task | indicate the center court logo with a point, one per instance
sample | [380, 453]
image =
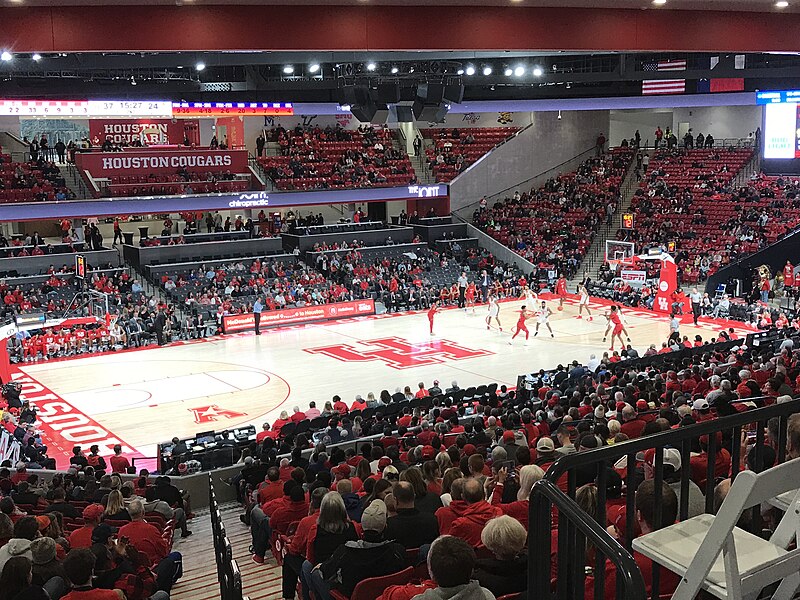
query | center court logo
[250, 199]
[399, 353]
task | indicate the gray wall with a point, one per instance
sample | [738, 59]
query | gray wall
[373, 237]
[720, 121]
[198, 252]
[35, 265]
[548, 142]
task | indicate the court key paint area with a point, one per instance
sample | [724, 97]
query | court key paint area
[148, 396]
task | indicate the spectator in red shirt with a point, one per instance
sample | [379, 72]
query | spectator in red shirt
[297, 415]
[296, 550]
[470, 524]
[421, 392]
[272, 488]
[119, 463]
[143, 536]
[632, 426]
[290, 511]
[82, 538]
[266, 433]
[339, 406]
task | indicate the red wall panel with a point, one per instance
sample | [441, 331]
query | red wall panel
[163, 28]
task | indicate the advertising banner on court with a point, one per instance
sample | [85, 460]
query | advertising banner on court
[145, 162]
[292, 316]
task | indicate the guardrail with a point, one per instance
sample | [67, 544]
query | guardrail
[684, 439]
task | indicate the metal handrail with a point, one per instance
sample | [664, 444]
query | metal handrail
[543, 494]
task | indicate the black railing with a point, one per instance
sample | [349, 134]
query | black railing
[575, 529]
[714, 435]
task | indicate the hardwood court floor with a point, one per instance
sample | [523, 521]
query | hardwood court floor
[151, 395]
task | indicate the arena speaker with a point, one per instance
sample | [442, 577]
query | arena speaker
[360, 102]
[401, 113]
[454, 93]
[428, 102]
[389, 92]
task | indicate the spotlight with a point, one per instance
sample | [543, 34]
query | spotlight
[508, 72]
[314, 68]
[781, 4]
[36, 57]
[371, 66]
[537, 71]
[395, 70]
[460, 72]
[288, 70]
[487, 70]
[659, 2]
[519, 71]
[470, 70]
[200, 66]
[6, 56]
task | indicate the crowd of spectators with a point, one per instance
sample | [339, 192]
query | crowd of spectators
[554, 225]
[337, 158]
[86, 534]
[38, 180]
[460, 464]
[456, 149]
[182, 182]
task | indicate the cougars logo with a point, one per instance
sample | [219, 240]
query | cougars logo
[399, 353]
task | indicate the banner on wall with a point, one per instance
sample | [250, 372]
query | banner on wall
[150, 132]
[108, 164]
[290, 316]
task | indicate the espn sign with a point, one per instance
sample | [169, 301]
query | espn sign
[305, 314]
[635, 279]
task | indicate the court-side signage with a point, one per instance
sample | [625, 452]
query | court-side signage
[292, 316]
[256, 199]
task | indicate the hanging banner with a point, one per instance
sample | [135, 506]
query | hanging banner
[150, 132]
[145, 162]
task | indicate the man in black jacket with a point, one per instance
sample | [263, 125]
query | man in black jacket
[60, 505]
[410, 527]
[371, 556]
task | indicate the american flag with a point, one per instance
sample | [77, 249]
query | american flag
[664, 86]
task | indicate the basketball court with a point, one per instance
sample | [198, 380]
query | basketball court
[139, 397]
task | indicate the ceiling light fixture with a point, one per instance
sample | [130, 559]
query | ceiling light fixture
[36, 57]
[519, 71]
[313, 68]
[781, 4]
[200, 66]
[371, 66]
[460, 72]
[487, 70]
[6, 56]
[395, 70]
[288, 70]
[508, 72]
[537, 71]
[659, 2]
[470, 70]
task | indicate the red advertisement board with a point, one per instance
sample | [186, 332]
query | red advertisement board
[145, 162]
[148, 131]
[290, 316]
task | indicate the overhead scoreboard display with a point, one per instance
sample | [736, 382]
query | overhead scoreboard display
[115, 109]
[781, 123]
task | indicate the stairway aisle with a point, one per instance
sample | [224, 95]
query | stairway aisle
[73, 181]
[596, 253]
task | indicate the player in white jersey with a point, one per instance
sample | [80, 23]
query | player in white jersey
[530, 297]
[494, 313]
[543, 318]
[583, 302]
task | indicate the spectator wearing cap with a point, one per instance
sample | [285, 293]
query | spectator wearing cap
[82, 538]
[371, 556]
[509, 442]
[545, 451]
[410, 527]
[45, 564]
[469, 525]
[435, 390]
[701, 411]
[672, 477]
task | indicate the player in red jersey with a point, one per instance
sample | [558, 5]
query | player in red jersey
[469, 295]
[523, 315]
[561, 290]
[615, 320]
[431, 312]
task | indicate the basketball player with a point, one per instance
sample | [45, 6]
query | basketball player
[561, 290]
[614, 318]
[610, 323]
[431, 312]
[529, 296]
[494, 313]
[523, 314]
[583, 302]
[543, 318]
[469, 296]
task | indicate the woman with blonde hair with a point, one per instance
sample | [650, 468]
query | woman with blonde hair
[115, 508]
[507, 570]
[528, 475]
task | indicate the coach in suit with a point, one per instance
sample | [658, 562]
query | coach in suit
[486, 281]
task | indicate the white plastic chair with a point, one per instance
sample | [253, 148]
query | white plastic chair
[711, 553]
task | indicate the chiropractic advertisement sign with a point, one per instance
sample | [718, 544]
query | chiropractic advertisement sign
[292, 316]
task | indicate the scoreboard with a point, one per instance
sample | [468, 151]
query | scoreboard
[160, 109]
